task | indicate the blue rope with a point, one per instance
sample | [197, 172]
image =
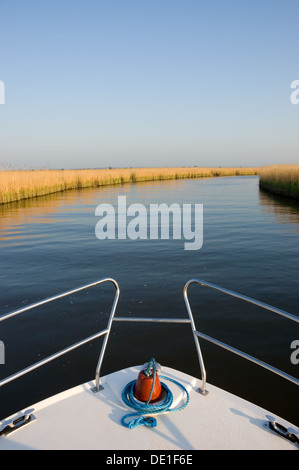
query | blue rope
[146, 408]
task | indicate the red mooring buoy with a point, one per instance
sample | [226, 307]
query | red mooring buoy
[143, 386]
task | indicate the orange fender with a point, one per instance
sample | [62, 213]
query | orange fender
[143, 386]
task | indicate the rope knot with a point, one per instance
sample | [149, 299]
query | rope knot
[151, 368]
[142, 421]
[149, 421]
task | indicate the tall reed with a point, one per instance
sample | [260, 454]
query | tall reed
[281, 179]
[16, 185]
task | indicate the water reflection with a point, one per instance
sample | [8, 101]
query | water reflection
[286, 210]
[19, 220]
[16, 217]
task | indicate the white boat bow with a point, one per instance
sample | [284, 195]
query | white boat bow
[91, 415]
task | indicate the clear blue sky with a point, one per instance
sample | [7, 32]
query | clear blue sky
[97, 83]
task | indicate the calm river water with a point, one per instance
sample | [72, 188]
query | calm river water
[250, 245]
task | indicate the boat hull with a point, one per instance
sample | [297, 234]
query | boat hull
[80, 419]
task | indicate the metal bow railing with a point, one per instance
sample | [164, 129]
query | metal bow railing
[227, 347]
[106, 332]
[73, 346]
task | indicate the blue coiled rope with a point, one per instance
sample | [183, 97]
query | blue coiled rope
[146, 408]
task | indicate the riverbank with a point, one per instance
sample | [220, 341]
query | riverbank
[281, 179]
[17, 185]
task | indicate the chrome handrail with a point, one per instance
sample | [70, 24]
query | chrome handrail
[69, 348]
[106, 332]
[230, 348]
[98, 386]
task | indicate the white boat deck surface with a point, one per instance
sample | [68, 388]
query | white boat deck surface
[81, 419]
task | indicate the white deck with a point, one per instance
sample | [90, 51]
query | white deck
[81, 419]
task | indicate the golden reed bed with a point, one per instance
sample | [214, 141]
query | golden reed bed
[17, 185]
[281, 179]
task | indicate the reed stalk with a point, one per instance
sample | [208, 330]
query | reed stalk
[16, 184]
[281, 179]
